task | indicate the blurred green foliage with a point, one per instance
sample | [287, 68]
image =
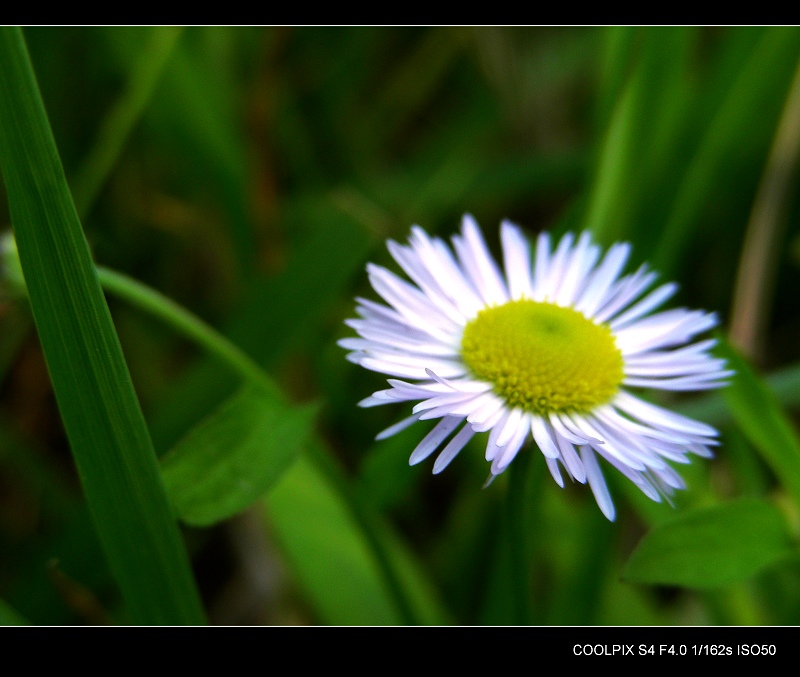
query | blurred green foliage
[250, 173]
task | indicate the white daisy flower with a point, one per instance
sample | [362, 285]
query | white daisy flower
[547, 348]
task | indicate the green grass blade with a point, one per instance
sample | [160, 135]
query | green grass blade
[618, 43]
[642, 126]
[759, 415]
[607, 198]
[759, 86]
[758, 267]
[99, 408]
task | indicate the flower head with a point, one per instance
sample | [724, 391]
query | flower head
[547, 348]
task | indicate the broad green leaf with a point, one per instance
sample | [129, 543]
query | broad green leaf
[758, 413]
[711, 547]
[98, 405]
[230, 459]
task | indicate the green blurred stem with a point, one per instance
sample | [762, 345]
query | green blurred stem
[193, 328]
[122, 118]
[758, 266]
[518, 538]
[185, 323]
[607, 198]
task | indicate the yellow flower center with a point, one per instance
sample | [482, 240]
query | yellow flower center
[543, 358]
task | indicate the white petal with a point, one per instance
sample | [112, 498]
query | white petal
[475, 403]
[612, 445]
[576, 427]
[598, 483]
[410, 367]
[451, 450]
[421, 275]
[397, 427]
[517, 258]
[697, 382]
[433, 439]
[466, 405]
[640, 479]
[408, 390]
[443, 269]
[450, 399]
[602, 279]
[491, 451]
[562, 431]
[491, 420]
[414, 307]
[542, 266]
[659, 417]
[624, 292]
[662, 330]
[690, 365]
[498, 427]
[516, 419]
[372, 401]
[627, 449]
[571, 461]
[552, 466]
[578, 266]
[609, 415]
[466, 385]
[502, 461]
[558, 266]
[430, 348]
[543, 437]
[488, 407]
[478, 264]
[652, 300]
